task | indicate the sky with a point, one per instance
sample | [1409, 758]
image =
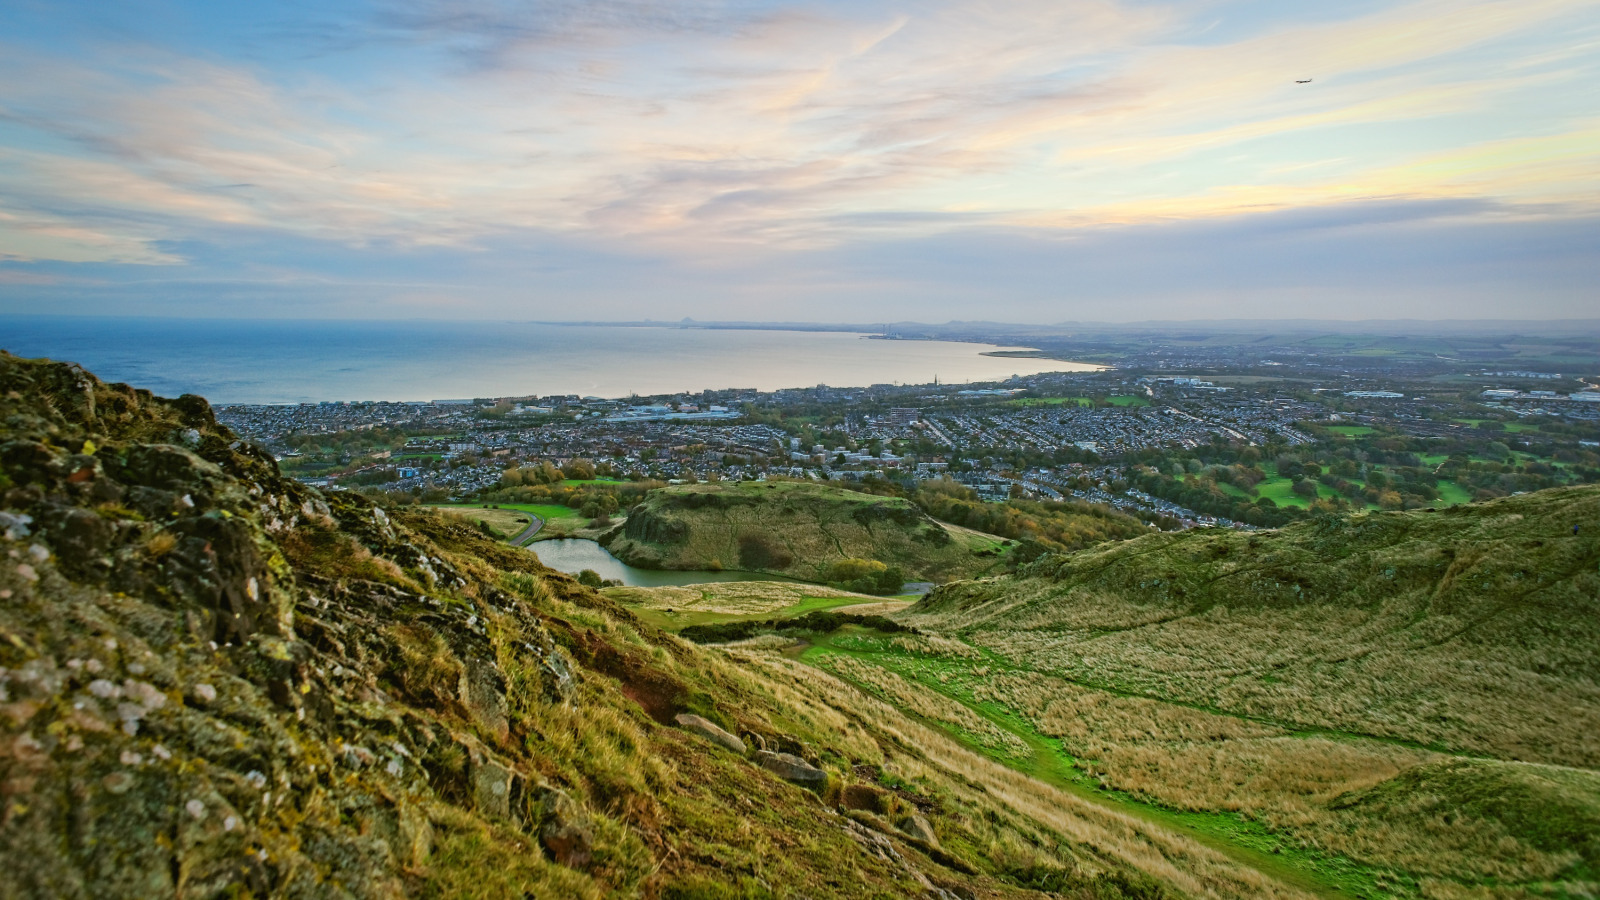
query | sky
[874, 160]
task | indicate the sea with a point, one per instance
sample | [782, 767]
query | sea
[285, 361]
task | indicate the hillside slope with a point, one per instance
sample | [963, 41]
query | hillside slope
[1476, 628]
[215, 682]
[795, 529]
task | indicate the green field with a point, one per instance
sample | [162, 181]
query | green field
[1451, 494]
[1049, 401]
[1075, 401]
[1281, 490]
[1350, 430]
[507, 520]
[546, 511]
[1233, 491]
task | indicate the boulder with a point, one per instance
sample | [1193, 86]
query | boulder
[921, 829]
[793, 769]
[709, 730]
[566, 832]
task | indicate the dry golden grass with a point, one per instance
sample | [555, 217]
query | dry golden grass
[878, 608]
[1477, 629]
[508, 522]
[1305, 787]
[1036, 823]
[913, 698]
[745, 598]
[811, 526]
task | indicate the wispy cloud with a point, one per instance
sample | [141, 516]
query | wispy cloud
[702, 132]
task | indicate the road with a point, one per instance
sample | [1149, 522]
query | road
[528, 533]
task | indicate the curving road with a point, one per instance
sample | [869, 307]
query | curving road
[528, 533]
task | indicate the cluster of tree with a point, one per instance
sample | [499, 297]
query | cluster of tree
[546, 472]
[1202, 495]
[356, 441]
[591, 578]
[866, 576]
[815, 623]
[1065, 526]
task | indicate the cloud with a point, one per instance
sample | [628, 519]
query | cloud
[692, 138]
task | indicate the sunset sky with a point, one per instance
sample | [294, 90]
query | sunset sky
[1028, 161]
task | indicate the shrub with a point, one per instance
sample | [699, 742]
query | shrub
[757, 551]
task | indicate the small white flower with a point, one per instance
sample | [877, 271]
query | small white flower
[130, 758]
[27, 572]
[196, 809]
[230, 823]
[39, 552]
[161, 752]
[205, 692]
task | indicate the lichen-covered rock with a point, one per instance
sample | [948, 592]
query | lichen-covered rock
[793, 769]
[920, 828]
[710, 731]
[565, 829]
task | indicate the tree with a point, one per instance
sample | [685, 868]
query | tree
[590, 578]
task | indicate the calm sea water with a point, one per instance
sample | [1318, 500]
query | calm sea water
[275, 361]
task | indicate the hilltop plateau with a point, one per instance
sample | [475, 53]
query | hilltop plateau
[218, 682]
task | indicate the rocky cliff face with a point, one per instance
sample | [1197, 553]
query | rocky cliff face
[216, 679]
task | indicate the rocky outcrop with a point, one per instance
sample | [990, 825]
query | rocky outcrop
[215, 679]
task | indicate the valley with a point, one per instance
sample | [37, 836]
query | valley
[244, 681]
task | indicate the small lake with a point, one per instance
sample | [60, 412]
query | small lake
[573, 555]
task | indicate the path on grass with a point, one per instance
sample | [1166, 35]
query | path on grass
[528, 533]
[1047, 766]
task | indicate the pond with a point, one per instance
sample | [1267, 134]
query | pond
[573, 555]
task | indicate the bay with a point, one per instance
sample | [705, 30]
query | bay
[288, 361]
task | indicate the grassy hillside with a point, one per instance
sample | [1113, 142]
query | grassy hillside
[1474, 629]
[216, 682]
[1391, 704]
[674, 608]
[794, 529]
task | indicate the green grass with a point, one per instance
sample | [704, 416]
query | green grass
[1351, 430]
[1233, 491]
[574, 482]
[1281, 490]
[546, 511]
[1128, 401]
[1451, 493]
